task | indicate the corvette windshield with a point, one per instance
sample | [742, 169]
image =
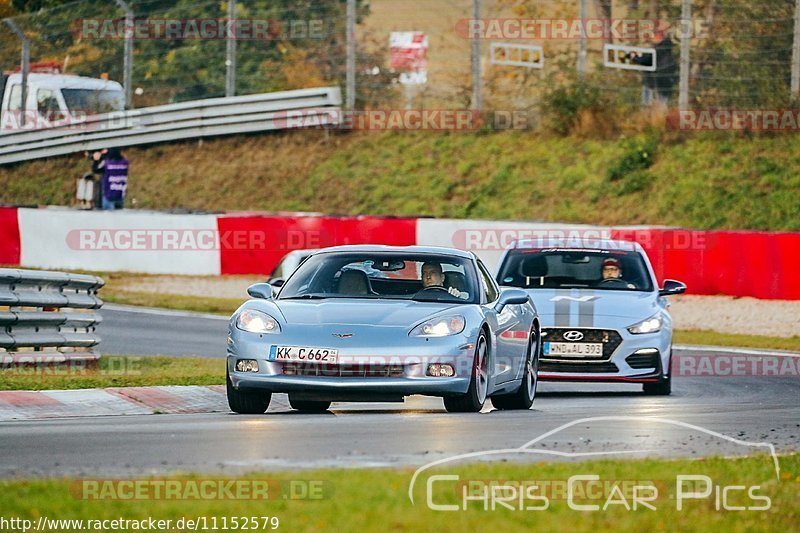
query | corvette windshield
[420, 277]
[567, 269]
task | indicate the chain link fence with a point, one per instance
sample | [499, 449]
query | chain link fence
[737, 53]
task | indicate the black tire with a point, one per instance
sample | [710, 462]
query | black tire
[246, 402]
[475, 397]
[661, 388]
[309, 406]
[524, 396]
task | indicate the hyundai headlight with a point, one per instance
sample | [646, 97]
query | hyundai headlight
[440, 327]
[257, 322]
[651, 325]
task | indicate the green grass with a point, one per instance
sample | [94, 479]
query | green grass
[701, 181]
[119, 371]
[734, 339]
[376, 499]
[199, 304]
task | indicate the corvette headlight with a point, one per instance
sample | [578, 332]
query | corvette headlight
[440, 327]
[257, 322]
[651, 325]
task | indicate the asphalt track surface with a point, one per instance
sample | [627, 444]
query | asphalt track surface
[749, 409]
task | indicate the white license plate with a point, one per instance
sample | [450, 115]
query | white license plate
[574, 349]
[303, 353]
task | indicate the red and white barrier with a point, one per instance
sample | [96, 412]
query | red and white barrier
[132, 241]
[9, 236]
[737, 263]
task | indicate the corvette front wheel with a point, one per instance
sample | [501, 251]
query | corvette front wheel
[523, 398]
[246, 402]
[472, 401]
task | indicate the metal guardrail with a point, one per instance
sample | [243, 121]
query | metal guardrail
[48, 317]
[186, 120]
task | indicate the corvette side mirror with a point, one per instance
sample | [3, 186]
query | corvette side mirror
[511, 297]
[260, 290]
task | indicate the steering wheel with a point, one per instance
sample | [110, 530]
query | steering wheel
[618, 281]
[434, 288]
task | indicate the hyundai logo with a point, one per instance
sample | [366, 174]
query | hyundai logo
[573, 335]
[345, 335]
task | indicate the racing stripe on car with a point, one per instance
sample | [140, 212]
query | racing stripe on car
[586, 310]
[562, 312]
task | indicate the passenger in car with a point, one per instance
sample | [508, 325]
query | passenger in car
[354, 282]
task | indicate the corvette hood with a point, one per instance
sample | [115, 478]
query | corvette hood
[355, 312]
[593, 308]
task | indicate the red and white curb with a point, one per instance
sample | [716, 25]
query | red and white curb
[33, 405]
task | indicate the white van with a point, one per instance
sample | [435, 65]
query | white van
[56, 98]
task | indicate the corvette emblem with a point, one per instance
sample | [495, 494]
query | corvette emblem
[573, 335]
[342, 335]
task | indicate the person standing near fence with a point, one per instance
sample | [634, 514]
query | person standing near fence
[114, 183]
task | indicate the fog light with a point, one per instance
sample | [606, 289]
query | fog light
[439, 370]
[247, 365]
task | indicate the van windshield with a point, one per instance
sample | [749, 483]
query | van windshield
[93, 101]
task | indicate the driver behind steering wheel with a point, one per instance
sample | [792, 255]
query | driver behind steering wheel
[612, 272]
[433, 276]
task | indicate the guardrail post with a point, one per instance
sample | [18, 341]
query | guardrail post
[476, 60]
[127, 67]
[230, 51]
[795, 87]
[25, 65]
[582, 41]
[683, 84]
[350, 81]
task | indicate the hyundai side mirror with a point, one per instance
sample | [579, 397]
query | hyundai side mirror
[671, 287]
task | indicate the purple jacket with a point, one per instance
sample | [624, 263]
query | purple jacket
[115, 178]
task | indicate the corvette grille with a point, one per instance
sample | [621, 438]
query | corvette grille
[343, 371]
[591, 368]
[608, 337]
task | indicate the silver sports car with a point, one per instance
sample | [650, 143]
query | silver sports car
[377, 323]
[603, 316]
